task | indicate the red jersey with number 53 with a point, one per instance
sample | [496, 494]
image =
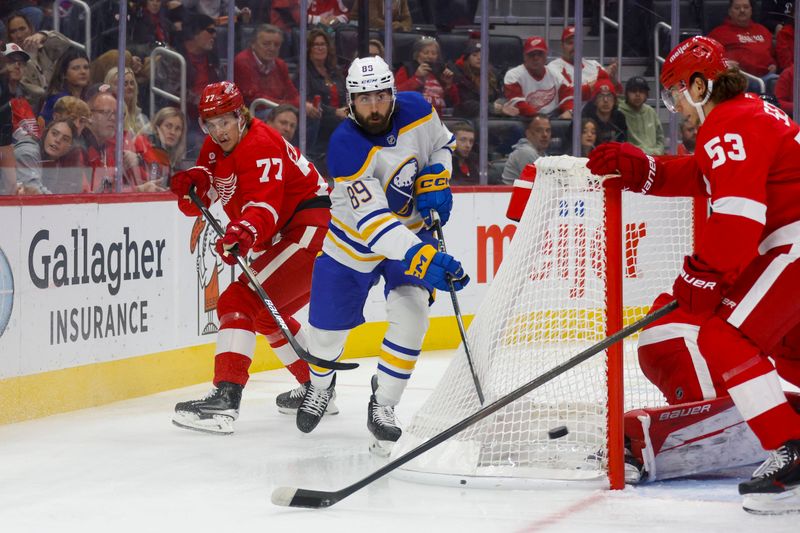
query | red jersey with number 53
[748, 160]
[264, 180]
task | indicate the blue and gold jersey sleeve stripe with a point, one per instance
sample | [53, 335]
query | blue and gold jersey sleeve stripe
[416, 123]
[367, 232]
[342, 227]
[360, 171]
[342, 237]
[383, 232]
[370, 216]
[347, 249]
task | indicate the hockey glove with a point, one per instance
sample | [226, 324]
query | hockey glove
[432, 191]
[636, 169]
[238, 240]
[437, 268]
[697, 288]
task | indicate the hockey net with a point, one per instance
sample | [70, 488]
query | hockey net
[548, 302]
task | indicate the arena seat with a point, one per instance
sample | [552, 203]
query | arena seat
[505, 51]
[453, 45]
[345, 40]
[503, 134]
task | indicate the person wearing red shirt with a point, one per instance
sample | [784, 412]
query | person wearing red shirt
[784, 46]
[747, 43]
[279, 208]
[260, 73]
[429, 75]
[784, 89]
[738, 291]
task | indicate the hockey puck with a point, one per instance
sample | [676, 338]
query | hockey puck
[557, 432]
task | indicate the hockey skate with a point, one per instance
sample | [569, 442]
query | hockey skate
[775, 485]
[214, 413]
[314, 405]
[289, 402]
[382, 423]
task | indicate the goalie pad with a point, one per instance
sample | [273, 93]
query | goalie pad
[693, 438]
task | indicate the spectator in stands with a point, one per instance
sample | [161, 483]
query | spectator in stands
[747, 43]
[202, 68]
[776, 14]
[588, 136]
[784, 46]
[644, 128]
[688, 137]
[784, 89]
[11, 72]
[70, 78]
[44, 49]
[285, 14]
[427, 74]
[327, 12]
[533, 88]
[217, 10]
[325, 90]
[100, 139]
[149, 26]
[135, 120]
[465, 160]
[75, 110]
[591, 71]
[284, 118]
[467, 79]
[376, 47]
[260, 73]
[401, 15]
[611, 125]
[53, 165]
[528, 149]
[162, 145]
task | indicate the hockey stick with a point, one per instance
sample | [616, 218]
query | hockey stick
[316, 499]
[437, 229]
[273, 311]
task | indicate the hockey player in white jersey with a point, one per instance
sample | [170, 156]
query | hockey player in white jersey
[391, 163]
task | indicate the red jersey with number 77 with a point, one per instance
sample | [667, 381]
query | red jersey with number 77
[265, 181]
[747, 160]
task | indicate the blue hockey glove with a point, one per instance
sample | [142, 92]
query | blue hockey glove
[432, 191]
[424, 262]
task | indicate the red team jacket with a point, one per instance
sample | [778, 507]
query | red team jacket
[747, 160]
[751, 47]
[266, 181]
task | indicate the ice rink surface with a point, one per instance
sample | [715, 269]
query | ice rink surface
[125, 468]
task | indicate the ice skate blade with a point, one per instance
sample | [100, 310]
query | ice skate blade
[380, 448]
[217, 424]
[331, 410]
[773, 504]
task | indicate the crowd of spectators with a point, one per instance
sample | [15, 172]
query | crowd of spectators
[58, 102]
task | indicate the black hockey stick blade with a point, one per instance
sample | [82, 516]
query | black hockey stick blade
[318, 499]
[437, 230]
[265, 299]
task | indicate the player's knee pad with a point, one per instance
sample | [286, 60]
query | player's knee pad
[726, 350]
[407, 310]
[324, 343]
[239, 299]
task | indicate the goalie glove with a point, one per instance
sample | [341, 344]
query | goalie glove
[437, 268]
[432, 191]
[238, 240]
[636, 169]
[697, 288]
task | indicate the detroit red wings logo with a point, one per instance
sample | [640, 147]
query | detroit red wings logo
[225, 187]
[541, 97]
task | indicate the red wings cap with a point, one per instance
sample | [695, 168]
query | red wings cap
[220, 98]
[535, 43]
[603, 86]
[568, 32]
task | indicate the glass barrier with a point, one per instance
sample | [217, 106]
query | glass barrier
[499, 74]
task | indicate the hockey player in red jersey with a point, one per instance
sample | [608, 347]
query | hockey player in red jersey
[279, 209]
[739, 291]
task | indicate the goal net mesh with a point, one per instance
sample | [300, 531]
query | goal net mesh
[547, 303]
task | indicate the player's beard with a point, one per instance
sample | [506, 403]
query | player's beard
[375, 123]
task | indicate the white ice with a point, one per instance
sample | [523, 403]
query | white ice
[125, 468]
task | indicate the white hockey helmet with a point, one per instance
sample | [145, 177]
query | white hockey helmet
[369, 74]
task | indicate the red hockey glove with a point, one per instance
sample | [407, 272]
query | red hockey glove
[182, 181]
[697, 288]
[238, 239]
[636, 169]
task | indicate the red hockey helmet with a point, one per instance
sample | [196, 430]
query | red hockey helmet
[698, 55]
[220, 98]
